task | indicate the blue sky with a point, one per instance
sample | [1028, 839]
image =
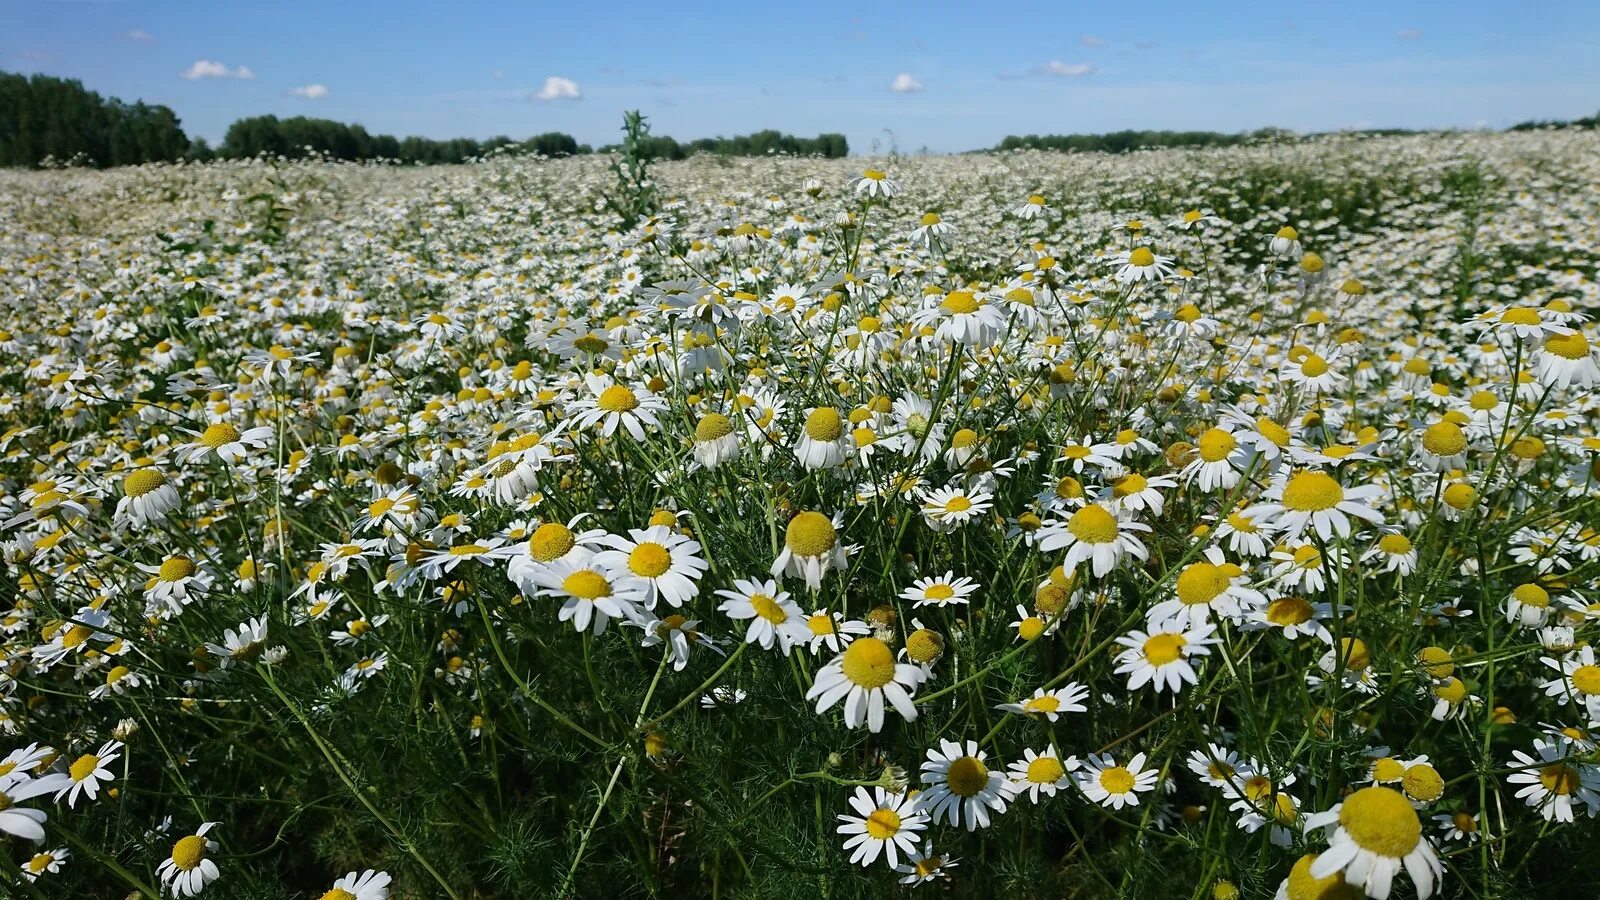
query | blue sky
[946, 77]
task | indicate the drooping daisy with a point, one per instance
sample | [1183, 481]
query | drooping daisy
[594, 594]
[243, 646]
[1042, 772]
[1568, 360]
[1112, 784]
[823, 443]
[885, 823]
[772, 615]
[1051, 704]
[958, 785]
[1094, 533]
[1302, 885]
[1161, 657]
[864, 676]
[188, 868]
[147, 496]
[715, 440]
[663, 562]
[1373, 834]
[968, 318]
[174, 584]
[811, 548]
[947, 590]
[874, 184]
[676, 633]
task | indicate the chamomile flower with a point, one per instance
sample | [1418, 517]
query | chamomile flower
[874, 184]
[884, 823]
[1112, 784]
[811, 548]
[189, 868]
[1314, 500]
[864, 676]
[773, 616]
[47, 862]
[664, 563]
[946, 509]
[86, 773]
[948, 590]
[1372, 835]
[823, 443]
[594, 594]
[225, 442]
[1097, 535]
[612, 405]
[1050, 705]
[147, 497]
[1161, 657]
[959, 786]
[1579, 681]
[1141, 264]
[1555, 780]
[1041, 772]
[923, 865]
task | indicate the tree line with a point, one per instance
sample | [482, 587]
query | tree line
[46, 119]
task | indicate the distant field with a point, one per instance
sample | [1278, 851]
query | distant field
[1206, 523]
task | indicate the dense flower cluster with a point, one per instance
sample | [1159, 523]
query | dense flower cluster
[1227, 516]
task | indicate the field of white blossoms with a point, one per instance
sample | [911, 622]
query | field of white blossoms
[1215, 523]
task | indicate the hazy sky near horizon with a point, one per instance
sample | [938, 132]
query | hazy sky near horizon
[944, 76]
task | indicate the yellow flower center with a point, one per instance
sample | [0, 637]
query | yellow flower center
[40, 863]
[1030, 628]
[1288, 233]
[1311, 492]
[810, 534]
[1141, 257]
[1045, 704]
[713, 426]
[550, 542]
[1423, 782]
[142, 482]
[176, 569]
[957, 504]
[1444, 439]
[768, 608]
[1201, 582]
[219, 434]
[1559, 778]
[1093, 525]
[1216, 444]
[1531, 595]
[967, 776]
[1437, 661]
[1567, 346]
[1160, 649]
[1286, 611]
[586, 584]
[84, 767]
[1116, 780]
[1129, 484]
[1046, 770]
[1586, 679]
[338, 894]
[618, 399]
[869, 663]
[1451, 691]
[960, 303]
[924, 645]
[1301, 886]
[1395, 544]
[883, 824]
[1460, 496]
[820, 624]
[188, 852]
[116, 674]
[1355, 654]
[1381, 820]
[824, 424]
[649, 560]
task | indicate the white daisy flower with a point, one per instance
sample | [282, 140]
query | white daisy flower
[958, 785]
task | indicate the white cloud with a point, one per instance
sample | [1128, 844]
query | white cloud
[904, 83]
[1066, 70]
[310, 91]
[143, 37]
[558, 88]
[206, 68]
[1090, 40]
[1408, 34]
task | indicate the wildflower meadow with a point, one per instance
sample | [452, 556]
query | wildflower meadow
[1208, 523]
